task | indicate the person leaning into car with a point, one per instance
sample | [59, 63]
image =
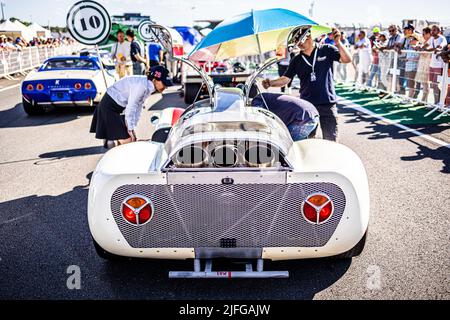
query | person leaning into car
[127, 96]
[314, 67]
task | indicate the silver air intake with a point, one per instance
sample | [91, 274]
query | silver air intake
[260, 156]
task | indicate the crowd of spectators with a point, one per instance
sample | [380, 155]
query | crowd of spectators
[420, 60]
[8, 44]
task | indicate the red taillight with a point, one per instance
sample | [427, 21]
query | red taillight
[326, 212]
[137, 210]
[30, 87]
[77, 86]
[317, 208]
[39, 87]
[88, 86]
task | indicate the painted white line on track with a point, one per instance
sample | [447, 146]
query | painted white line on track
[351, 104]
[11, 87]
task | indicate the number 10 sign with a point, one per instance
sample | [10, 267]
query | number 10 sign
[89, 23]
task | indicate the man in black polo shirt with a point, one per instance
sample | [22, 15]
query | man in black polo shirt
[140, 64]
[314, 67]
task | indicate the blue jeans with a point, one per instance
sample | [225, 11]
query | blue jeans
[301, 130]
[374, 70]
[138, 68]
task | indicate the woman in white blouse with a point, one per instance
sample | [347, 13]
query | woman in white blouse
[127, 96]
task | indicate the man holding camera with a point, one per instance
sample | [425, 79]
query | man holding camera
[314, 67]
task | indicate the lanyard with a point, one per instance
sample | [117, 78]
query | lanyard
[313, 65]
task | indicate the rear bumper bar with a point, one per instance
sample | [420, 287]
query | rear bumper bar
[249, 273]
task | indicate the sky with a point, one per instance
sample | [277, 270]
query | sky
[183, 12]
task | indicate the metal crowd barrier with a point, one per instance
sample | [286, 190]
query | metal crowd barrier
[19, 62]
[404, 75]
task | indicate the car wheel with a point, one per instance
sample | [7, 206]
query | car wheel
[191, 92]
[102, 253]
[32, 109]
[356, 250]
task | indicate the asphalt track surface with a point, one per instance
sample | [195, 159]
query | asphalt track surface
[46, 163]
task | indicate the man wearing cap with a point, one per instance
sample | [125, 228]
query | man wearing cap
[314, 67]
[411, 66]
[375, 67]
[127, 96]
[384, 61]
[408, 31]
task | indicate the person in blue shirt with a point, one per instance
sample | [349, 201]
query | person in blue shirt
[329, 39]
[155, 54]
[314, 67]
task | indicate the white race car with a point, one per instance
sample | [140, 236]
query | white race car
[225, 180]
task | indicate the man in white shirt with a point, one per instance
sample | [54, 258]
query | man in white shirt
[122, 56]
[436, 44]
[127, 96]
[365, 56]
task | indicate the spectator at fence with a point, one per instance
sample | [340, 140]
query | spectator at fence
[411, 66]
[395, 38]
[375, 67]
[342, 67]
[404, 44]
[9, 45]
[384, 61]
[437, 43]
[122, 56]
[2, 42]
[445, 55]
[394, 41]
[365, 56]
[423, 67]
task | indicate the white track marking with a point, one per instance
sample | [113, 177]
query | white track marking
[11, 87]
[350, 104]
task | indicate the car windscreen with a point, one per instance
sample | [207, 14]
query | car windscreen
[58, 64]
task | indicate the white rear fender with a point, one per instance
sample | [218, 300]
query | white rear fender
[134, 158]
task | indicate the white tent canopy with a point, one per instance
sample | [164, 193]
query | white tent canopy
[40, 31]
[8, 26]
[9, 29]
[27, 33]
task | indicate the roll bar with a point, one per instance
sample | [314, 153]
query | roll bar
[161, 35]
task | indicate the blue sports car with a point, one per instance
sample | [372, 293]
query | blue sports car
[65, 80]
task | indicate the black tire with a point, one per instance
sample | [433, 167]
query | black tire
[102, 253]
[356, 250]
[32, 109]
[191, 92]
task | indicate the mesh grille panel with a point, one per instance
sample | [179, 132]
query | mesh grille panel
[256, 215]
